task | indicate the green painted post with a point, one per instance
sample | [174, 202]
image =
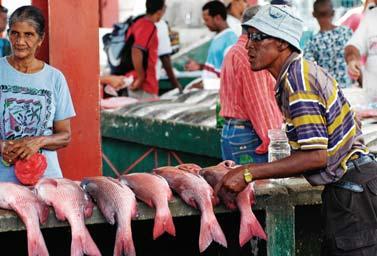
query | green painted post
[280, 226]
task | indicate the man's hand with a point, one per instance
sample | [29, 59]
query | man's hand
[117, 82]
[198, 85]
[233, 181]
[354, 69]
[136, 85]
[192, 65]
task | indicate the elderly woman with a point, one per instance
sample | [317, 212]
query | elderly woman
[35, 103]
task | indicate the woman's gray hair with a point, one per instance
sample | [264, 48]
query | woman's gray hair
[249, 13]
[31, 15]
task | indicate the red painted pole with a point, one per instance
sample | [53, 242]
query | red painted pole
[73, 49]
[109, 13]
[43, 52]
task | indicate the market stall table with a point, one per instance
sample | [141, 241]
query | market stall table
[277, 199]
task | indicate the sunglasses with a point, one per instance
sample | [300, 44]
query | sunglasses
[257, 37]
[3, 9]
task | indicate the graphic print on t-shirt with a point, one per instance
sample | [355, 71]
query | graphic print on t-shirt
[26, 111]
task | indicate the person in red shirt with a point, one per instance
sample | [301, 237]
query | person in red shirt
[145, 84]
[248, 105]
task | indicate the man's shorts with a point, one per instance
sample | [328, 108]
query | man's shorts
[349, 211]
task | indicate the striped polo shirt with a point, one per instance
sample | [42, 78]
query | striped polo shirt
[317, 116]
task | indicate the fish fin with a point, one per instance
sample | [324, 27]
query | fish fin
[123, 180]
[50, 181]
[187, 196]
[83, 244]
[124, 242]
[88, 208]
[114, 181]
[36, 242]
[60, 215]
[162, 178]
[43, 212]
[163, 222]
[210, 230]
[134, 212]
[249, 228]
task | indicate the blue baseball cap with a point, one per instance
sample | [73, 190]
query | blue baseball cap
[278, 21]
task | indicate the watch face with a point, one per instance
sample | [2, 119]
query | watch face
[247, 176]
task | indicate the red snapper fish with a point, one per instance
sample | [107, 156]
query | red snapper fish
[250, 226]
[70, 203]
[118, 204]
[196, 192]
[155, 192]
[193, 168]
[30, 210]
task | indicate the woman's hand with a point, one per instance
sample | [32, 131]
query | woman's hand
[8, 156]
[21, 148]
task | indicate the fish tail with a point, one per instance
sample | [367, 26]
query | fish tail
[123, 242]
[210, 230]
[163, 222]
[83, 244]
[250, 227]
[36, 242]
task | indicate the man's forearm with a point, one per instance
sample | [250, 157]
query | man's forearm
[351, 53]
[166, 63]
[298, 163]
[137, 61]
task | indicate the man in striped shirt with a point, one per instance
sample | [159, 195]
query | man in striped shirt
[323, 133]
[248, 105]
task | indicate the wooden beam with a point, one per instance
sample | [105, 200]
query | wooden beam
[109, 13]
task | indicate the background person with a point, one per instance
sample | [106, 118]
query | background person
[214, 16]
[165, 50]
[235, 10]
[323, 133]
[364, 42]
[145, 84]
[5, 48]
[248, 105]
[35, 103]
[353, 17]
[327, 46]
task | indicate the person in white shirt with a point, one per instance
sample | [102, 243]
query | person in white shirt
[164, 51]
[364, 42]
[235, 10]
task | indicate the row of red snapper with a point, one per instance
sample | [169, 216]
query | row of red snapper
[116, 198]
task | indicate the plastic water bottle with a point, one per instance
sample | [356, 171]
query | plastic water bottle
[279, 147]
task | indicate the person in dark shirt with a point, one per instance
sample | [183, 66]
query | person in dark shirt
[5, 48]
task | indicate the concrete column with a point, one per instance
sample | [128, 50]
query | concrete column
[73, 49]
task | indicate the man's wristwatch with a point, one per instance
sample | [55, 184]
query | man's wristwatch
[248, 177]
